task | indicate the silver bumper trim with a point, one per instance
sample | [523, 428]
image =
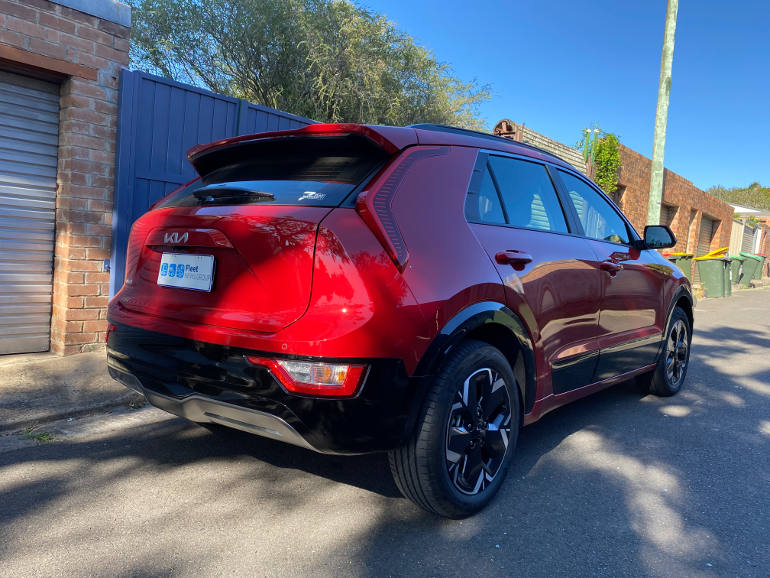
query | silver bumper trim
[202, 409]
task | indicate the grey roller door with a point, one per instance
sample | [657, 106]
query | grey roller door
[747, 243]
[29, 135]
[705, 235]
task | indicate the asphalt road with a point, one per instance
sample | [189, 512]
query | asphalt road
[618, 484]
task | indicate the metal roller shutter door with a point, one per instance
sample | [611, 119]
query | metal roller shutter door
[705, 235]
[747, 243]
[29, 136]
[667, 214]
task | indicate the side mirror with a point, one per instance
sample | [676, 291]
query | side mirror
[658, 237]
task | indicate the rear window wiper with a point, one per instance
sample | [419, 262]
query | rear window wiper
[214, 194]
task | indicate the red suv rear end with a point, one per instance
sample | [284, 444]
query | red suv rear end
[423, 290]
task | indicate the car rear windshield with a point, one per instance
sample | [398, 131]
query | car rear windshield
[318, 171]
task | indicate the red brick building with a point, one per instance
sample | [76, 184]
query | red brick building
[700, 221]
[59, 65]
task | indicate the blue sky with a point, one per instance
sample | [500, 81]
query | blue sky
[561, 65]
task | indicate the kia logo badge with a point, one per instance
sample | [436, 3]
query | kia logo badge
[175, 238]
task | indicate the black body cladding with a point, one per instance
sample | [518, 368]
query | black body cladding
[379, 418]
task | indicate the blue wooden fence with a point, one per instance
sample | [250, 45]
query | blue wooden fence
[159, 120]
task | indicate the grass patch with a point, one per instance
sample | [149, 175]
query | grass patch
[42, 437]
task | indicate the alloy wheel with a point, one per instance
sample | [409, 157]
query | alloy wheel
[478, 431]
[676, 352]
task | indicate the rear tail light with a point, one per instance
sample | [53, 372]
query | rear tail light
[134, 250]
[314, 378]
[374, 205]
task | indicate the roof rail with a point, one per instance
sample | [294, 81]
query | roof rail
[478, 133]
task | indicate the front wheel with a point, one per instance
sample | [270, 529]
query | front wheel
[668, 376]
[458, 456]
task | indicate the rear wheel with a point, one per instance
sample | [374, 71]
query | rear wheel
[458, 456]
[668, 376]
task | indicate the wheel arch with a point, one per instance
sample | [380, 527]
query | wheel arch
[683, 299]
[497, 325]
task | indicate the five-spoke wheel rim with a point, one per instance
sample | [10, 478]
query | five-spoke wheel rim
[478, 431]
[676, 352]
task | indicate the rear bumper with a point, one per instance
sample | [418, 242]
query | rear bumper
[202, 409]
[204, 382]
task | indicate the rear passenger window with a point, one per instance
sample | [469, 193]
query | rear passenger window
[484, 205]
[529, 198]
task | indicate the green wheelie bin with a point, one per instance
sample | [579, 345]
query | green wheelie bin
[736, 268]
[683, 261]
[728, 276]
[714, 275]
[751, 267]
[760, 268]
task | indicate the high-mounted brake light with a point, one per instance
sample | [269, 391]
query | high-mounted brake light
[314, 378]
[374, 205]
[381, 136]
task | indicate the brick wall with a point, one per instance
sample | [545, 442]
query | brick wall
[691, 202]
[87, 53]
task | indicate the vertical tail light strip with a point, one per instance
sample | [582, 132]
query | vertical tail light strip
[374, 205]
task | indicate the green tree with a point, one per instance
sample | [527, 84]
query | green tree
[755, 195]
[329, 60]
[607, 162]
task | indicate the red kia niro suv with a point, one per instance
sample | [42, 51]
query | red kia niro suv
[422, 290]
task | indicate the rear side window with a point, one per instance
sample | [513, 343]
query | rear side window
[514, 192]
[599, 219]
[318, 171]
[484, 205]
[529, 198]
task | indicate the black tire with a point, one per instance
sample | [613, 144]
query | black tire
[667, 378]
[458, 416]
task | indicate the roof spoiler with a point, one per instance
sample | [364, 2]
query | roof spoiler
[390, 139]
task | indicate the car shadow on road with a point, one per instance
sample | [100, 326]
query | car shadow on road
[617, 483]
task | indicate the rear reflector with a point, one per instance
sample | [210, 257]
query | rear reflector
[110, 328]
[314, 378]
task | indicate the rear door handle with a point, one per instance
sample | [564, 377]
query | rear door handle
[611, 267]
[515, 258]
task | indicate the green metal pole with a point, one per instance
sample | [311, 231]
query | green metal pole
[661, 114]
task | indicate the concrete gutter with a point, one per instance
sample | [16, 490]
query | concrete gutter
[40, 388]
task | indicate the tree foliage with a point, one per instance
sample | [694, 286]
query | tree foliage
[329, 60]
[755, 195]
[607, 162]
